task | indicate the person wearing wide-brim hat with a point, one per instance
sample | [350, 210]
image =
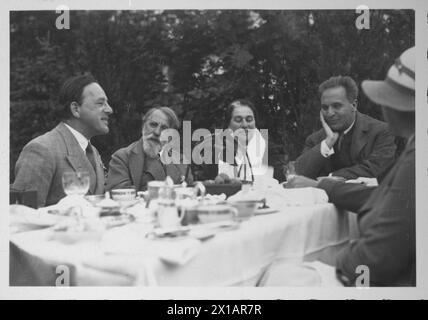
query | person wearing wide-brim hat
[387, 244]
[385, 252]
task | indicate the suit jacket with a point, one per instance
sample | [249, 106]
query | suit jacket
[43, 161]
[386, 221]
[372, 149]
[127, 168]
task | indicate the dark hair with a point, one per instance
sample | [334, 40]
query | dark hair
[173, 121]
[238, 103]
[346, 82]
[71, 91]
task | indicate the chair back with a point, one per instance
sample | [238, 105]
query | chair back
[26, 198]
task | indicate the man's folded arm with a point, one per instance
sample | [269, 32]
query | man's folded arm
[347, 196]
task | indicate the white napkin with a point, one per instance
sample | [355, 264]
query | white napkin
[73, 201]
[23, 218]
[303, 196]
[277, 197]
[131, 241]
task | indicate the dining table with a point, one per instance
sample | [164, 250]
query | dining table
[228, 254]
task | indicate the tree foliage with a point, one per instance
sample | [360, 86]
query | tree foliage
[196, 62]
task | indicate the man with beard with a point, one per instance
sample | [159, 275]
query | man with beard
[350, 144]
[143, 160]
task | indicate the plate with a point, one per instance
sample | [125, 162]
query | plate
[202, 234]
[220, 225]
[36, 219]
[170, 232]
[265, 211]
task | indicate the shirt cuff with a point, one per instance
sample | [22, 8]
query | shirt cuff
[325, 150]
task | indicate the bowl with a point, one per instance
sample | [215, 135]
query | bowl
[215, 213]
[228, 189]
[95, 199]
[245, 208]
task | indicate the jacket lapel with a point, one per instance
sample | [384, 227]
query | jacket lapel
[359, 136]
[76, 157]
[173, 168]
[136, 163]
[155, 169]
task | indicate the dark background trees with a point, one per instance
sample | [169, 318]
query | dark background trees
[196, 62]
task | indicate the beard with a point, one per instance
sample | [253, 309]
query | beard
[151, 147]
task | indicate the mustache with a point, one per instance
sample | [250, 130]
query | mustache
[152, 138]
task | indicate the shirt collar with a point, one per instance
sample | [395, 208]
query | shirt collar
[349, 128]
[83, 142]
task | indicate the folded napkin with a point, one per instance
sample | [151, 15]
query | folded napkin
[278, 197]
[23, 218]
[303, 196]
[70, 204]
[119, 272]
[131, 241]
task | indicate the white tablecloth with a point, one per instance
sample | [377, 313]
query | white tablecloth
[232, 258]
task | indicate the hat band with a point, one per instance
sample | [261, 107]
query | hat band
[399, 87]
[402, 68]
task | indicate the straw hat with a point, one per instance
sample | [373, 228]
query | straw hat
[397, 91]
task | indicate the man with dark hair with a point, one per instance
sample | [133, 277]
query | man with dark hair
[144, 160]
[386, 247]
[42, 162]
[350, 144]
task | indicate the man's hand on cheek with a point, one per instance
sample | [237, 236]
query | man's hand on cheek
[331, 136]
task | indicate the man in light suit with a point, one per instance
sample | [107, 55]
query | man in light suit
[42, 162]
[350, 144]
[143, 160]
[386, 214]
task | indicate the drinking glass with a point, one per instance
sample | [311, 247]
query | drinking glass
[290, 170]
[75, 182]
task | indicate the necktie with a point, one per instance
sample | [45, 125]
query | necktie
[340, 141]
[91, 156]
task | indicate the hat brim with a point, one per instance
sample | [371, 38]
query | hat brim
[384, 94]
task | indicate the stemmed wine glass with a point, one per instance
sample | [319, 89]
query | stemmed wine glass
[75, 182]
[290, 170]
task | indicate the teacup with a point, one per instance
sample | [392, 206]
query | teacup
[245, 208]
[153, 188]
[123, 194]
[216, 213]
